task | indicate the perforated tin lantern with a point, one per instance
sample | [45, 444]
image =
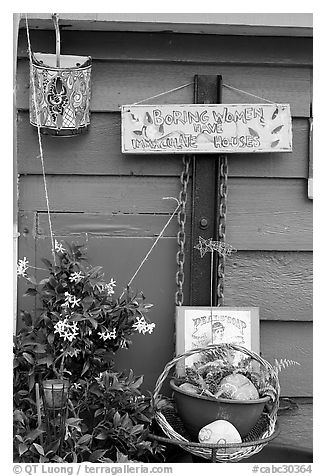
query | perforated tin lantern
[62, 93]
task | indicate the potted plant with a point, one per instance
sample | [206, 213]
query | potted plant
[224, 408]
[229, 383]
[220, 387]
[68, 347]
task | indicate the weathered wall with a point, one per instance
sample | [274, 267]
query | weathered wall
[117, 200]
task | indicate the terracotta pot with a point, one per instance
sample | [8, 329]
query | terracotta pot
[197, 411]
[55, 393]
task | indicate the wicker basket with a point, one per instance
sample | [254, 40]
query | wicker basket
[263, 432]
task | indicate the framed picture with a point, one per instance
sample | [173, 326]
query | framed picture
[200, 326]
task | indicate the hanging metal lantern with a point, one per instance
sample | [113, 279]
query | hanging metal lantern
[62, 94]
[60, 91]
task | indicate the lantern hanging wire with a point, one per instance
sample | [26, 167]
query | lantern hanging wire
[55, 18]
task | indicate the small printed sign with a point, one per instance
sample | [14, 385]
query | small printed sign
[206, 128]
[201, 326]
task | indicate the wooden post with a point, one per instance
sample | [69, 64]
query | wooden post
[205, 203]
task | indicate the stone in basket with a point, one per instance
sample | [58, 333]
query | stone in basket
[245, 394]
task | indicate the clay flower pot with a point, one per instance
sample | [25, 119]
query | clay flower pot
[197, 411]
[55, 393]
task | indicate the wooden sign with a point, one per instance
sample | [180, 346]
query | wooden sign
[206, 128]
[201, 326]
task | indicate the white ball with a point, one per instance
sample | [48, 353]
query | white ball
[220, 432]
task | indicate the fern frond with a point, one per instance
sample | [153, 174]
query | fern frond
[283, 364]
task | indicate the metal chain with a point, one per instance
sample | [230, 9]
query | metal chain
[181, 236]
[223, 191]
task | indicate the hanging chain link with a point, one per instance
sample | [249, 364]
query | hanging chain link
[223, 191]
[181, 236]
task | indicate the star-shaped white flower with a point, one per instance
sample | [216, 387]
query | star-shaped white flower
[106, 334]
[68, 296]
[22, 266]
[76, 277]
[142, 326]
[58, 247]
[150, 327]
[70, 299]
[74, 301]
[66, 330]
[109, 287]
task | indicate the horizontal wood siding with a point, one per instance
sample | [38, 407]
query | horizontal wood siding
[181, 48]
[113, 195]
[124, 83]
[279, 283]
[265, 214]
[114, 203]
[99, 153]
[293, 341]
[269, 214]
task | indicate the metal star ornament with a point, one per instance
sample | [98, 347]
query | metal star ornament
[209, 245]
[203, 246]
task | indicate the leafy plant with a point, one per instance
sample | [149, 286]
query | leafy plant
[79, 321]
[109, 419]
[118, 415]
[74, 334]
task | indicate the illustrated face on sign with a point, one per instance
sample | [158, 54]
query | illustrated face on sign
[218, 332]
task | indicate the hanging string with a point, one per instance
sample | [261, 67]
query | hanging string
[155, 242]
[162, 94]
[39, 138]
[246, 92]
[212, 266]
[55, 19]
[191, 83]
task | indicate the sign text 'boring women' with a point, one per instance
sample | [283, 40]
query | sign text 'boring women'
[206, 128]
